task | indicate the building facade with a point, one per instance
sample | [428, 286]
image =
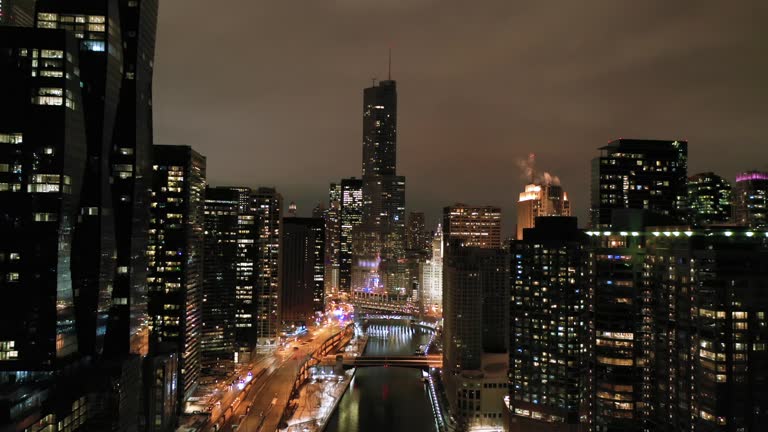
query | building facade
[431, 272]
[222, 214]
[176, 249]
[750, 206]
[540, 200]
[475, 226]
[302, 268]
[639, 174]
[709, 199]
[351, 217]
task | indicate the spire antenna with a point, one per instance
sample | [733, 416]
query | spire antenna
[389, 69]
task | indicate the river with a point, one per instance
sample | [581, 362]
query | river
[386, 399]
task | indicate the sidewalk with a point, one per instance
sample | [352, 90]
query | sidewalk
[317, 401]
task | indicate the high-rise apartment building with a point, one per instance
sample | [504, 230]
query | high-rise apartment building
[175, 251]
[639, 174]
[539, 200]
[549, 283]
[474, 226]
[302, 268]
[267, 207]
[710, 357]
[709, 199]
[750, 207]
[43, 153]
[96, 25]
[17, 13]
[351, 199]
[222, 214]
[475, 333]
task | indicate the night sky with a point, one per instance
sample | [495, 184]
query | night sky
[271, 91]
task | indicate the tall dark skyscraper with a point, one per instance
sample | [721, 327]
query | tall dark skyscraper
[639, 174]
[549, 283]
[222, 213]
[267, 207]
[97, 27]
[416, 238]
[42, 161]
[302, 269]
[709, 199]
[18, 13]
[382, 237]
[750, 207]
[351, 218]
[175, 250]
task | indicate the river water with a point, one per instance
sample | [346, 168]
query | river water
[386, 399]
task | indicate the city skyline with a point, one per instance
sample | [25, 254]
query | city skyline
[489, 77]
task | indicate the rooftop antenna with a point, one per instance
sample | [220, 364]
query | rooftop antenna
[373, 82]
[389, 69]
[533, 168]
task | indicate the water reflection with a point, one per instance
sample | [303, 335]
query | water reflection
[386, 399]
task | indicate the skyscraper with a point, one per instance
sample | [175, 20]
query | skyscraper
[475, 226]
[267, 207]
[545, 199]
[382, 231]
[709, 199]
[97, 27]
[42, 159]
[751, 199]
[639, 174]
[302, 267]
[131, 178]
[175, 250]
[549, 280]
[351, 217]
[432, 276]
[222, 214]
[333, 240]
[17, 13]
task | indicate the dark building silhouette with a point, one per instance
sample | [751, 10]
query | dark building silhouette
[222, 214]
[750, 207]
[131, 176]
[549, 282]
[175, 250]
[302, 268]
[96, 24]
[639, 174]
[267, 207]
[43, 152]
[709, 199]
[416, 233]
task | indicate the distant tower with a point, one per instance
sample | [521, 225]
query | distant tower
[751, 199]
[292, 209]
[540, 199]
[709, 199]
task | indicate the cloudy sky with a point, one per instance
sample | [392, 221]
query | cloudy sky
[271, 91]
